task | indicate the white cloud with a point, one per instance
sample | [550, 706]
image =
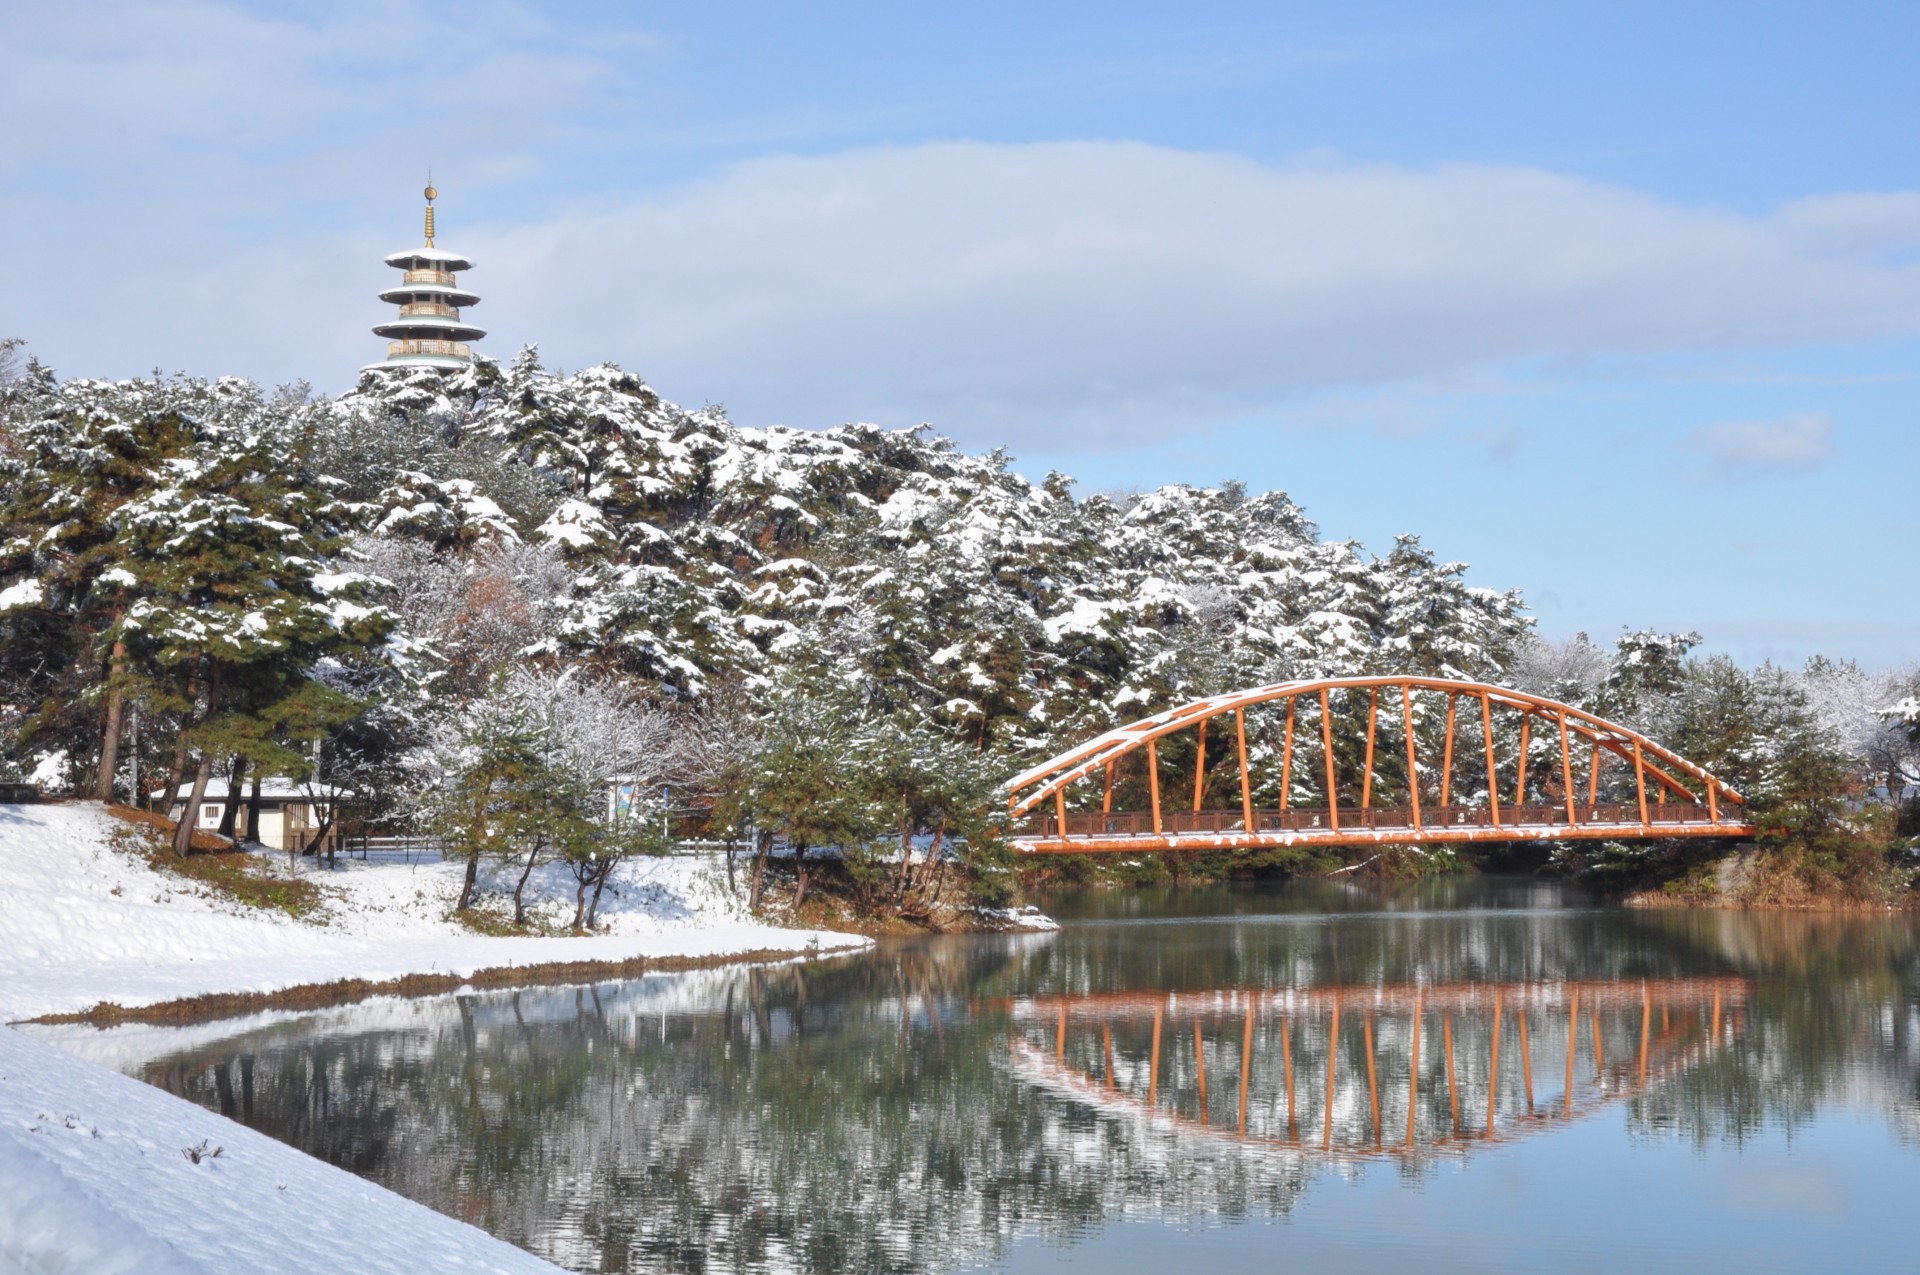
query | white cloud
[1113, 289]
[1789, 444]
[1052, 296]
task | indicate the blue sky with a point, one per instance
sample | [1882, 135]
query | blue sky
[1618, 302]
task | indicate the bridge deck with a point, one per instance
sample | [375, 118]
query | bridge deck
[1094, 832]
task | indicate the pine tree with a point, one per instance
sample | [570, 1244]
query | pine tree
[75, 454]
[237, 596]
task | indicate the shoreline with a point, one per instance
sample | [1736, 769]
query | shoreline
[97, 933]
[212, 1006]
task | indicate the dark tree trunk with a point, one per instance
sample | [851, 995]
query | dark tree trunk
[320, 831]
[136, 797]
[183, 831]
[760, 856]
[179, 766]
[935, 853]
[520, 886]
[110, 740]
[800, 876]
[581, 877]
[906, 859]
[223, 1086]
[253, 808]
[600, 884]
[466, 886]
[230, 813]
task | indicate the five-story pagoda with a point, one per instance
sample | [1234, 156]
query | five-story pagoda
[428, 331]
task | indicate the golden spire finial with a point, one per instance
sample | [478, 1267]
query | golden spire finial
[432, 194]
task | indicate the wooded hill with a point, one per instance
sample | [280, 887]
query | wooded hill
[205, 575]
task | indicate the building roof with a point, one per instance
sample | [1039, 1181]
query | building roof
[428, 258]
[277, 791]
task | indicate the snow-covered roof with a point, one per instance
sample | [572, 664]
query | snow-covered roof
[271, 790]
[430, 326]
[438, 258]
[448, 293]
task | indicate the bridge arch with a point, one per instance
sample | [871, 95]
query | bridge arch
[1670, 796]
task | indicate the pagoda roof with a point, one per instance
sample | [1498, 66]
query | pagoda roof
[405, 292]
[428, 327]
[424, 258]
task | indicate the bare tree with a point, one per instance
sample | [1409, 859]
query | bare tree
[715, 746]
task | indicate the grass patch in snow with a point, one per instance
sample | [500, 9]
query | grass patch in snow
[224, 872]
[241, 877]
[480, 918]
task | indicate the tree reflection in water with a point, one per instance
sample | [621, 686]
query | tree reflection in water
[920, 1106]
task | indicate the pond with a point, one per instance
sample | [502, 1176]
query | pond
[1477, 1075]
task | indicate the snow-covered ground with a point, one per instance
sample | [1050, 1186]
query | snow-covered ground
[84, 920]
[100, 1174]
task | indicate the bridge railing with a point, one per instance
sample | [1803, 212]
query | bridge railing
[1312, 819]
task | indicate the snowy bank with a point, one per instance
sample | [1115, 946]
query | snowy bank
[105, 1174]
[85, 920]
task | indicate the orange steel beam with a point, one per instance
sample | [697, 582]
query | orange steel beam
[1413, 1071]
[1286, 1061]
[1453, 1089]
[1413, 768]
[1153, 785]
[1526, 1060]
[1520, 779]
[1326, 745]
[1493, 1065]
[1646, 1023]
[1373, 721]
[1573, 1043]
[1640, 783]
[1286, 757]
[1246, 780]
[1036, 784]
[1446, 761]
[1200, 767]
[1373, 1082]
[1593, 784]
[1060, 810]
[1106, 798]
[1566, 770]
[1493, 782]
[1246, 1067]
[1333, 1062]
[1436, 834]
[1153, 1068]
[1713, 806]
[1467, 997]
[1200, 1065]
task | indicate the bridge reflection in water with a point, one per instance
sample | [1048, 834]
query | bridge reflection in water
[1362, 1071]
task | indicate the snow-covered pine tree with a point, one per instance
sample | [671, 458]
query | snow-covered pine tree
[234, 558]
[76, 452]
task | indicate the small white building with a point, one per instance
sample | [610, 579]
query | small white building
[289, 814]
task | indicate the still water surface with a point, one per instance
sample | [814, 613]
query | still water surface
[1454, 1076]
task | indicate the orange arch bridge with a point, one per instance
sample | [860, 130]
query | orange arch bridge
[1288, 768]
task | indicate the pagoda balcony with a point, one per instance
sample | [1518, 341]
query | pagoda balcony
[451, 349]
[440, 308]
[428, 276]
